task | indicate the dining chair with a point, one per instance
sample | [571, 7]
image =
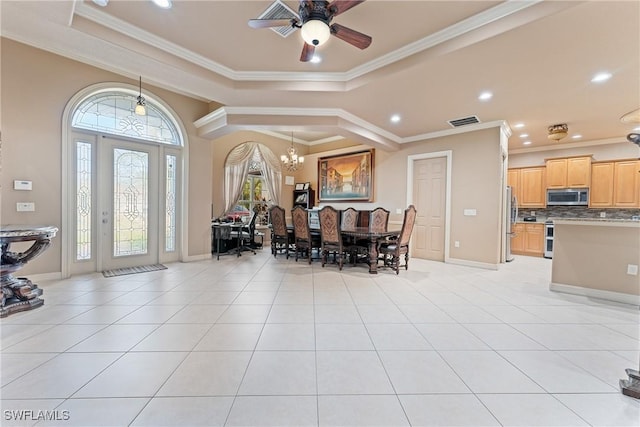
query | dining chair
[330, 236]
[279, 233]
[349, 222]
[304, 240]
[391, 251]
[378, 219]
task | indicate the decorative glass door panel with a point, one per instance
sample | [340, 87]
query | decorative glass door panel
[129, 219]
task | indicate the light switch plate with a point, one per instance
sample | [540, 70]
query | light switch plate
[470, 212]
[25, 206]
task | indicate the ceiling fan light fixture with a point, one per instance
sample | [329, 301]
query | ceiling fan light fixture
[315, 32]
[557, 132]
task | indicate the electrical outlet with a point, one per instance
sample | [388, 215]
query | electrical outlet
[456, 244]
[398, 211]
[533, 213]
[632, 269]
[603, 214]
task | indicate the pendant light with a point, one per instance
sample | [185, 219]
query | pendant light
[140, 109]
[291, 161]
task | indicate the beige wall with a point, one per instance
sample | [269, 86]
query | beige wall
[36, 87]
[596, 256]
[622, 150]
[476, 183]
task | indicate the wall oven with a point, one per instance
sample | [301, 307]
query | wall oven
[548, 239]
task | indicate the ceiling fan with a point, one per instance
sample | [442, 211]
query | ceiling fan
[314, 21]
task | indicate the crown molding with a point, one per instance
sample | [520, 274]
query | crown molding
[456, 131]
[568, 146]
[298, 140]
[479, 20]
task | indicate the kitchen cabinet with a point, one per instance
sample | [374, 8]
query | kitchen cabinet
[513, 181]
[517, 241]
[615, 184]
[532, 188]
[568, 172]
[601, 192]
[626, 184]
[528, 186]
[528, 239]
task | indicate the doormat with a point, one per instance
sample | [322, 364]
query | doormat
[133, 270]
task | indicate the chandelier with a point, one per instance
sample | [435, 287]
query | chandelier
[291, 161]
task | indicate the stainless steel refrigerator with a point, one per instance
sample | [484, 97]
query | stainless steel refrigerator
[512, 216]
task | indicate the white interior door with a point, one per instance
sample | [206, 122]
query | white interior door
[429, 197]
[128, 188]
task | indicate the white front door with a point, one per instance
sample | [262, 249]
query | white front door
[128, 204]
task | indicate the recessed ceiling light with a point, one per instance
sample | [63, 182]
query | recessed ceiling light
[315, 59]
[576, 136]
[601, 77]
[636, 129]
[518, 125]
[485, 96]
[524, 135]
[526, 143]
[102, 3]
[395, 118]
[165, 4]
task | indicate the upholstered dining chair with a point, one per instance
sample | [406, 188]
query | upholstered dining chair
[378, 219]
[304, 241]
[349, 219]
[391, 251]
[280, 235]
[330, 236]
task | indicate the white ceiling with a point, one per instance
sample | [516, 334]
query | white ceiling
[428, 62]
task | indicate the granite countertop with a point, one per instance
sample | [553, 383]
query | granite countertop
[597, 221]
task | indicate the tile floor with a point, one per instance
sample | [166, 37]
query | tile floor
[255, 341]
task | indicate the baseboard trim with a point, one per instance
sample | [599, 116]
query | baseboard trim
[468, 263]
[202, 257]
[35, 278]
[596, 293]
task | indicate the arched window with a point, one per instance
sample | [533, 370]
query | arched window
[252, 181]
[112, 112]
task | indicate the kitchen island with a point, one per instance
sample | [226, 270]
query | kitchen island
[597, 258]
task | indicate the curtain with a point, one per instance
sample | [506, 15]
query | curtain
[236, 170]
[271, 173]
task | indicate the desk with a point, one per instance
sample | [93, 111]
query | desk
[222, 231]
[372, 238]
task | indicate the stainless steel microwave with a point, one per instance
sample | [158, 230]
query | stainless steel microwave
[568, 197]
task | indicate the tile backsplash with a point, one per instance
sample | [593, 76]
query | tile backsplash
[578, 212]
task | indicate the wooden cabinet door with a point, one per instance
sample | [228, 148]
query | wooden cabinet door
[626, 184]
[534, 239]
[601, 192]
[578, 172]
[557, 173]
[532, 192]
[513, 180]
[517, 241]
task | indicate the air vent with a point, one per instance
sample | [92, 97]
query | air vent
[471, 120]
[279, 10]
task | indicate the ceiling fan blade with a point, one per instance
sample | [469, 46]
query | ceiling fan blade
[353, 37]
[340, 6]
[269, 23]
[307, 52]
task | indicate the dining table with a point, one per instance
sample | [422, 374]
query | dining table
[372, 238]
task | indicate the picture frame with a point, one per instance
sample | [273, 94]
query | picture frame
[347, 177]
[306, 185]
[300, 186]
[301, 198]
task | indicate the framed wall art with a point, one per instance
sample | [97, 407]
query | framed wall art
[346, 177]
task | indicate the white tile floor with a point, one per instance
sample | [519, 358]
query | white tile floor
[254, 341]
